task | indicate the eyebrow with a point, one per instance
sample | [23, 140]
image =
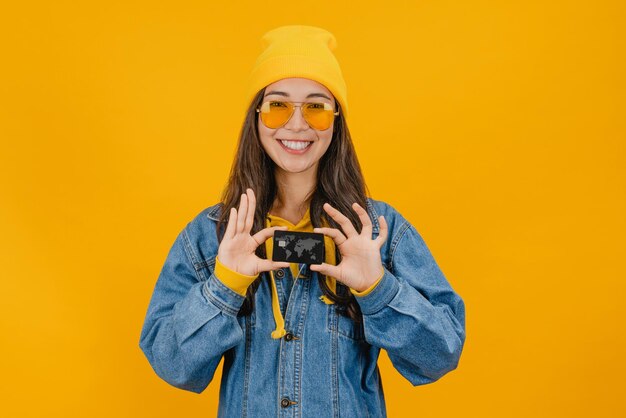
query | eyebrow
[282, 93]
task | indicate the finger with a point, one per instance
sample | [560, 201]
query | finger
[341, 219]
[382, 235]
[230, 226]
[267, 265]
[327, 269]
[250, 215]
[365, 219]
[243, 209]
[334, 233]
[262, 236]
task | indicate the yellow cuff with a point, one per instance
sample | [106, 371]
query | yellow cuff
[369, 289]
[232, 279]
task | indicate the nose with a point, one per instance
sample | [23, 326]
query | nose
[297, 122]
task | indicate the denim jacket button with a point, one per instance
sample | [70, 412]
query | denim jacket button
[280, 274]
[288, 336]
[285, 402]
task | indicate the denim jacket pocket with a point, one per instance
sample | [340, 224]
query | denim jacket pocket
[343, 325]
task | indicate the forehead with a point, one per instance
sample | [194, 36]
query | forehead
[298, 87]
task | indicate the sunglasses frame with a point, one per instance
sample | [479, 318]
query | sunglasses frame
[294, 105]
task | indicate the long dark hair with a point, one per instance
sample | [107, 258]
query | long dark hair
[339, 182]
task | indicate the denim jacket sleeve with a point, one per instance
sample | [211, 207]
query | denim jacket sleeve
[413, 313]
[184, 313]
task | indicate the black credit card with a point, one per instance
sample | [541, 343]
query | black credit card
[298, 247]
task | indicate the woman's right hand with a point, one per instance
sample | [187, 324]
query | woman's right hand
[237, 249]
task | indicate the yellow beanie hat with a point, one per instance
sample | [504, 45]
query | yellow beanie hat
[298, 51]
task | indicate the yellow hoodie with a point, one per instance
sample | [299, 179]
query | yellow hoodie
[240, 282]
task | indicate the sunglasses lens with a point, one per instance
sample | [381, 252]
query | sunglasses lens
[275, 113]
[318, 115]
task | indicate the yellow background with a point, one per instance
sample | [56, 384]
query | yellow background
[496, 128]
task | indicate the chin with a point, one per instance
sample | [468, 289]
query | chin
[295, 169]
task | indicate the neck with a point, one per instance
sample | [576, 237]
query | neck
[293, 191]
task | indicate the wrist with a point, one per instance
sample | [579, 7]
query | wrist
[232, 279]
[369, 285]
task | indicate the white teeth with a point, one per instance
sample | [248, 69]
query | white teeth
[295, 145]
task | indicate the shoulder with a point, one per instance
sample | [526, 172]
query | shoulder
[404, 245]
[200, 234]
[397, 228]
[395, 220]
[204, 220]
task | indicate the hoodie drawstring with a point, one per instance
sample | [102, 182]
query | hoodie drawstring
[329, 258]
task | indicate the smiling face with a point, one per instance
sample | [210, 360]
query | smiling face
[296, 147]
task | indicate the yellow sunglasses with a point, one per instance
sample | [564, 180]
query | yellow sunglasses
[275, 113]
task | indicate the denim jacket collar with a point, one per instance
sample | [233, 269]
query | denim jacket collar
[215, 212]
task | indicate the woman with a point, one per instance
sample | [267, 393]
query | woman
[300, 340]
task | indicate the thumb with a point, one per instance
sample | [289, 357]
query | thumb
[327, 269]
[266, 265]
[265, 234]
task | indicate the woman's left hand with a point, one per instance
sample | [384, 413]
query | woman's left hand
[360, 264]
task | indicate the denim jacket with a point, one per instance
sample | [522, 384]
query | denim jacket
[326, 365]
